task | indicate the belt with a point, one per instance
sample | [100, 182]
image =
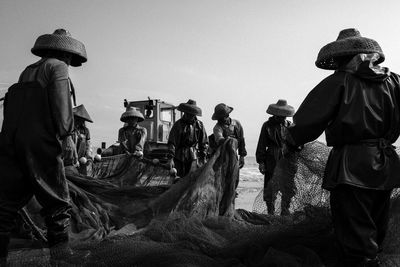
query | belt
[382, 143]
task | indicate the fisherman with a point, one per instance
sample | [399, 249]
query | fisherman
[81, 138]
[226, 127]
[38, 122]
[358, 106]
[272, 148]
[82, 134]
[187, 141]
[132, 136]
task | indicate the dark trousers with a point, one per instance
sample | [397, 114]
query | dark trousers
[360, 220]
[279, 176]
[23, 175]
[182, 168]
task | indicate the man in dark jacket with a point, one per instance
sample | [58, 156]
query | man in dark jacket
[38, 118]
[188, 141]
[358, 106]
[271, 148]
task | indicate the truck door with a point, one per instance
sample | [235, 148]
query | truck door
[166, 122]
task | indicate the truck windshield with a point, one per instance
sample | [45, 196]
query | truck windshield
[166, 114]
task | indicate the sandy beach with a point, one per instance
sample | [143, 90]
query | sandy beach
[250, 184]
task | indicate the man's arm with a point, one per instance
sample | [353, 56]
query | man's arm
[242, 143]
[261, 151]
[121, 136]
[203, 141]
[317, 110]
[173, 139]
[88, 144]
[60, 99]
[139, 146]
[218, 134]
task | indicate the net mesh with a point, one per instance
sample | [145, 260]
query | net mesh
[310, 163]
[194, 222]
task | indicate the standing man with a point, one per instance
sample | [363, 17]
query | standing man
[82, 134]
[38, 118]
[132, 136]
[358, 106]
[271, 148]
[187, 141]
[81, 138]
[227, 127]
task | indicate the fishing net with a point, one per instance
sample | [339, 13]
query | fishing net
[192, 220]
[307, 175]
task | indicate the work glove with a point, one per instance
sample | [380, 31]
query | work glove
[261, 168]
[241, 162]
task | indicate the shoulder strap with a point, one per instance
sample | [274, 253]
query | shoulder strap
[72, 91]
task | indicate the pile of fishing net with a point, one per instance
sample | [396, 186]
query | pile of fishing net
[120, 220]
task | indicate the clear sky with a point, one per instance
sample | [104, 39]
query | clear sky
[245, 53]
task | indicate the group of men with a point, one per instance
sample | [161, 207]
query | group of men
[188, 143]
[358, 107]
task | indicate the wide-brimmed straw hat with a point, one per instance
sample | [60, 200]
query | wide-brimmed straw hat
[60, 40]
[221, 111]
[132, 112]
[349, 42]
[190, 107]
[81, 112]
[281, 108]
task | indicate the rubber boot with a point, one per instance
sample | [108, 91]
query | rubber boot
[4, 241]
[360, 262]
[270, 208]
[60, 250]
[285, 209]
[372, 262]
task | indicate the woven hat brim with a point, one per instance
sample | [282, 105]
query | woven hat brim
[80, 111]
[130, 114]
[346, 47]
[63, 43]
[191, 109]
[283, 111]
[222, 114]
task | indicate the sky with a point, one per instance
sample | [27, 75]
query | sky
[247, 54]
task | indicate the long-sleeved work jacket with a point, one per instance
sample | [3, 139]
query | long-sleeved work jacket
[270, 146]
[131, 138]
[359, 109]
[233, 129]
[188, 140]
